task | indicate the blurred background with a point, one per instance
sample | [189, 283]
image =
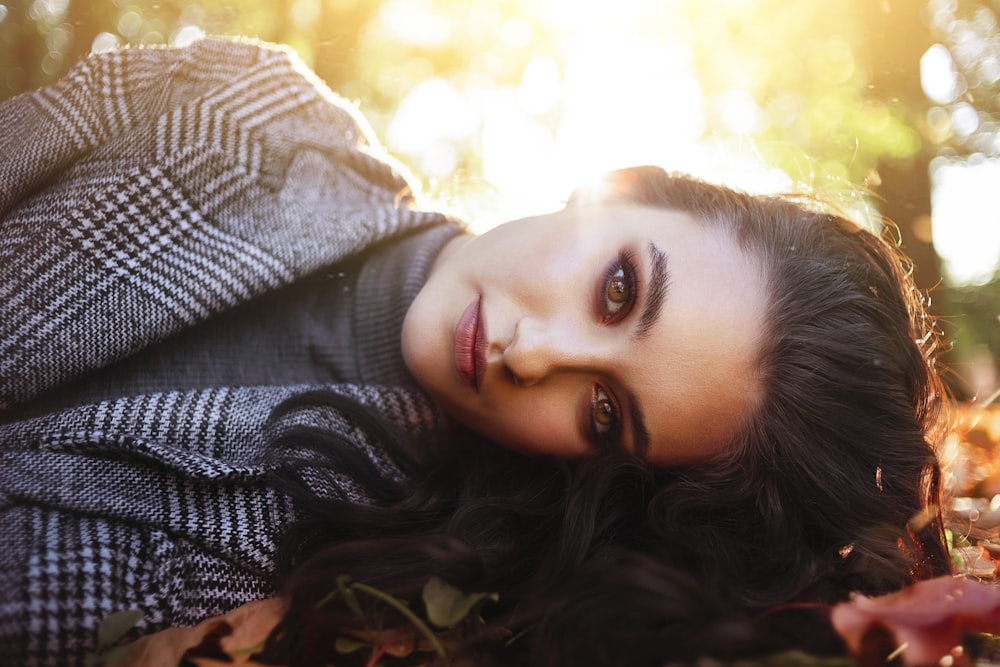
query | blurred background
[500, 107]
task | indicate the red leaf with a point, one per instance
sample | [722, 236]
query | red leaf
[928, 619]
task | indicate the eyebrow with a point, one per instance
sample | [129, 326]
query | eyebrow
[659, 285]
[640, 436]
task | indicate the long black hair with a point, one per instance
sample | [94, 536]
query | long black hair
[829, 486]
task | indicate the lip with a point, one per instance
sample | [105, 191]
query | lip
[470, 345]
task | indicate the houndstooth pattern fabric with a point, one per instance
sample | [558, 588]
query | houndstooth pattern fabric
[145, 192]
[158, 503]
[173, 183]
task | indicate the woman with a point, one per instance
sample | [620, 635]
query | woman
[683, 380]
[819, 484]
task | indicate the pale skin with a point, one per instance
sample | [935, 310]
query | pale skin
[597, 327]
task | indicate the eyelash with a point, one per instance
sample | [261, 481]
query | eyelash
[608, 436]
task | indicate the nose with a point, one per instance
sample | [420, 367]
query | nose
[541, 349]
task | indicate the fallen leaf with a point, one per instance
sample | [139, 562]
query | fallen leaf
[115, 625]
[926, 620]
[222, 637]
[447, 606]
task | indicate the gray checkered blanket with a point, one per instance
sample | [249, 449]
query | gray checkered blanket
[145, 192]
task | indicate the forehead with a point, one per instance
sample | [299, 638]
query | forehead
[695, 373]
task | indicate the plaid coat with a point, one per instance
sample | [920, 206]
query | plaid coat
[145, 192]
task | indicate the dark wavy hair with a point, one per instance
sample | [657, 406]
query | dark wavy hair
[830, 486]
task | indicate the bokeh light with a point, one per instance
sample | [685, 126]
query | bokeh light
[966, 219]
[564, 91]
[501, 107]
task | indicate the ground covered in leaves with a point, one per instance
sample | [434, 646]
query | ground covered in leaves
[949, 621]
[971, 458]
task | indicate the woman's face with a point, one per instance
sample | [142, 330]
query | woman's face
[599, 327]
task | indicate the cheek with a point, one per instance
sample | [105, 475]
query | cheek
[528, 264]
[426, 346]
[537, 425]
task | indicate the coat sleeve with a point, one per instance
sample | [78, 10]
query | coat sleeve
[155, 187]
[163, 503]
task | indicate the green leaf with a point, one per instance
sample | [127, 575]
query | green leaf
[350, 599]
[115, 625]
[447, 605]
[117, 655]
[345, 645]
[109, 657]
[402, 608]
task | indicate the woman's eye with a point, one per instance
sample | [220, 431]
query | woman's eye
[605, 423]
[618, 290]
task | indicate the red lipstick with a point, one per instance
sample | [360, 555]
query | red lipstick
[467, 335]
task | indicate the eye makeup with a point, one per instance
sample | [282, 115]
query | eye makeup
[617, 294]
